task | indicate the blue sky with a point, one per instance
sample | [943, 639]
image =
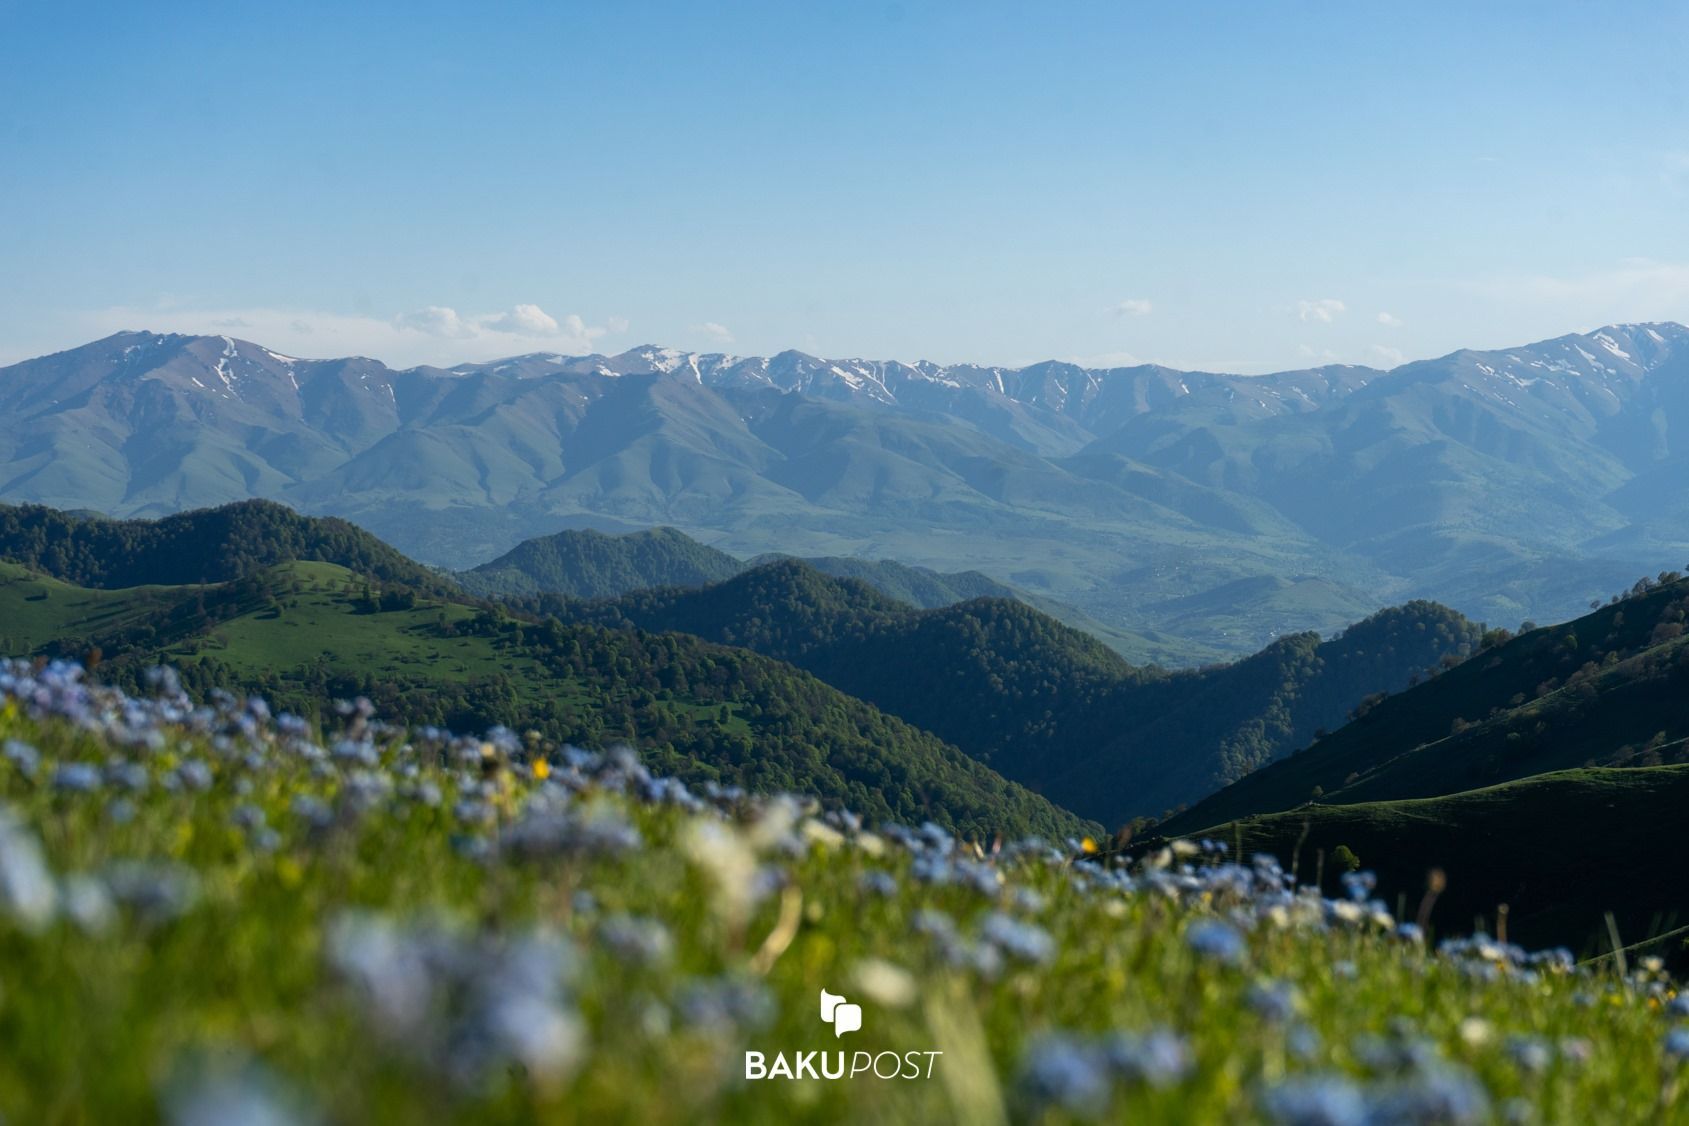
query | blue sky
[1239, 187]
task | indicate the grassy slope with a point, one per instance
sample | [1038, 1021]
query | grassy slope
[714, 713]
[322, 623]
[1560, 850]
[39, 608]
[116, 1023]
[1606, 689]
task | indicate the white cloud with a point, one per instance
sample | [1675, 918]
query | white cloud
[435, 334]
[522, 320]
[719, 333]
[1133, 307]
[436, 320]
[1387, 356]
[1389, 320]
[528, 320]
[1323, 309]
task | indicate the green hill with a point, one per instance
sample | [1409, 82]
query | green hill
[209, 545]
[1560, 850]
[588, 564]
[309, 632]
[1604, 690]
[927, 589]
[1045, 704]
[583, 563]
[921, 587]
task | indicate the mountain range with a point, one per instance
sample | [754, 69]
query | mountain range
[1214, 511]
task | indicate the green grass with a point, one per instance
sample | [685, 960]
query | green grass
[40, 609]
[108, 1024]
[1560, 850]
[322, 621]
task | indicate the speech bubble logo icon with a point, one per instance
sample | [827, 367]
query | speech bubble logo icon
[841, 1014]
[846, 1018]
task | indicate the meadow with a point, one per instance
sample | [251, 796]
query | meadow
[213, 914]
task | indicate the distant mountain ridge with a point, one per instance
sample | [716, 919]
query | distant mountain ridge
[1508, 483]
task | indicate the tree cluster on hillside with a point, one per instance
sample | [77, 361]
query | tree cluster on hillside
[211, 545]
[583, 563]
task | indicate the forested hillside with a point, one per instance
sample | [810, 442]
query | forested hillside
[587, 564]
[921, 587]
[1045, 704]
[307, 634]
[1605, 690]
[210, 545]
[583, 563]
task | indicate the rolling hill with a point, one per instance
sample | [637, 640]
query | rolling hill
[590, 564]
[586, 563]
[306, 633]
[203, 546]
[1218, 511]
[1604, 690]
[1042, 703]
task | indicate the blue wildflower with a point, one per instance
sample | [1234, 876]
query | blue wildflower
[1018, 939]
[1217, 940]
[1316, 1101]
[636, 940]
[24, 757]
[76, 778]
[1063, 1071]
[1158, 1058]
